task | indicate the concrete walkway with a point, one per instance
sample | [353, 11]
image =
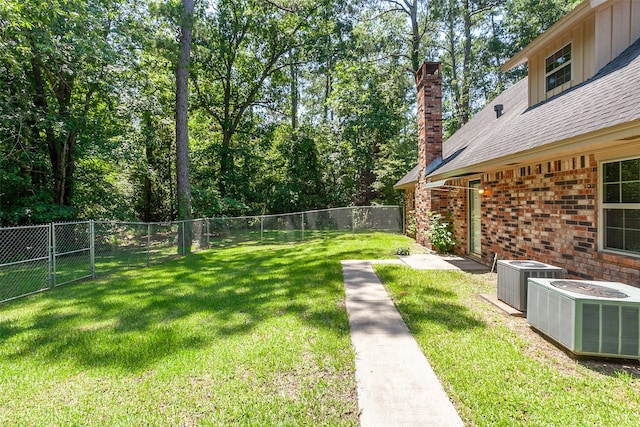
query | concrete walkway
[396, 384]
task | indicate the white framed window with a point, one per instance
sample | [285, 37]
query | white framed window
[620, 195]
[557, 69]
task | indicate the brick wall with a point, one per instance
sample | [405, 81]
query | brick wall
[409, 209]
[543, 211]
[423, 204]
[451, 202]
[457, 208]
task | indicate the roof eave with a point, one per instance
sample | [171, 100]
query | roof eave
[625, 134]
[576, 15]
[405, 186]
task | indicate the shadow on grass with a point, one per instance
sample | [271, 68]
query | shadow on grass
[449, 315]
[430, 303]
[612, 367]
[133, 319]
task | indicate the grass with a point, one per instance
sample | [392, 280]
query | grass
[258, 335]
[129, 249]
[496, 369]
[251, 335]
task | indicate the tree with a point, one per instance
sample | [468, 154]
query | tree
[241, 51]
[461, 43]
[182, 126]
[298, 104]
[372, 102]
[418, 25]
[293, 176]
[59, 88]
[524, 20]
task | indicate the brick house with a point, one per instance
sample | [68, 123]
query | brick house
[550, 169]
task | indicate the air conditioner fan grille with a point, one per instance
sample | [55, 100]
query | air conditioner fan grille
[590, 289]
[527, 264]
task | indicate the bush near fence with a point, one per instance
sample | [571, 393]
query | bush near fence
[37, 258]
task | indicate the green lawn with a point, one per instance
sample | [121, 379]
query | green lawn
[496, 369]
[252, 335]
[258, 335]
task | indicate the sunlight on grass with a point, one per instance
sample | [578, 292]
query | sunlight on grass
[238, 336]
[489, 369]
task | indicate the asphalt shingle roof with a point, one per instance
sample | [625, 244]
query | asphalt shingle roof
[411, 177]
[610, 98]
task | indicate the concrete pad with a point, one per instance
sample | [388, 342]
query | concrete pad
[396, 384]
[493, 299]
[443, 262]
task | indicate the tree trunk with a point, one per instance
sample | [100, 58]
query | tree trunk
[148, 184]
[66, 170]
[415, 37]
[42, 107]
[227, 166]
[465, 98]
[498, 59]
[455, 86]
[60, 148]
[294, 91]
[327, 114]
[182, 135]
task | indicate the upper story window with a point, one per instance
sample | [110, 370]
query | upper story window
[621, 205]
[558, 68]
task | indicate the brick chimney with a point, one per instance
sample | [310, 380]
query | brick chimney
[429, 86]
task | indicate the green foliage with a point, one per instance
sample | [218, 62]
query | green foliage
[524, 20]
[101, 192]
[38, 208]
[412, 227]
[295, 104]
[240, 53]
[403, 251]
[294, 177]
[440, 232]
[67, 62]
[375, 142]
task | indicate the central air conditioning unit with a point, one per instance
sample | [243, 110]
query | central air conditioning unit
[588, 318]
[512, 279]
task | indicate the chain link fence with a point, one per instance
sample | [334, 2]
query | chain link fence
[25, 261]
[72, 245]
[37, 258]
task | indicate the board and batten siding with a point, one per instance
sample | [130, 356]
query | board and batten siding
[602, 35]
[617, 27]
[582, 38]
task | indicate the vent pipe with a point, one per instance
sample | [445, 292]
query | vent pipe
[498, 109]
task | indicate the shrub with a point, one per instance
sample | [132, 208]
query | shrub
[412, 226]
[440, 232]
[403, 251]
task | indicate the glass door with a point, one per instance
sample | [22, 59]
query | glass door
[475, 216]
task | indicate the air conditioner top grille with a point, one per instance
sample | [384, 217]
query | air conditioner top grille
[591, 289]
[528, 264]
